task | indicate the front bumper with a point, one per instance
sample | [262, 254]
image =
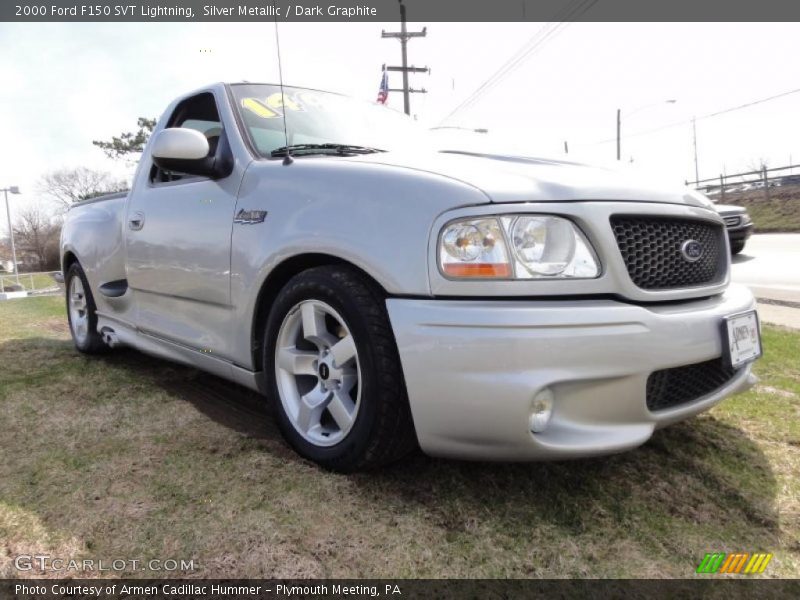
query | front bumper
[742, 232]
[472, 369]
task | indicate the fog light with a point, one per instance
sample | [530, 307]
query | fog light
[541, 410]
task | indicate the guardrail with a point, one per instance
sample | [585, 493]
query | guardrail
[31, 284]
[763, 179]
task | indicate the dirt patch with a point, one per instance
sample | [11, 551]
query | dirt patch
[57, 326]
[767, 389]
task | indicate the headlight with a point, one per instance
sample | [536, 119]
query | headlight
[516, 247]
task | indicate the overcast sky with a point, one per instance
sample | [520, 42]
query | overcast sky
[63, 85]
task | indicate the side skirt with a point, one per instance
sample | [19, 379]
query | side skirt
[119, 332]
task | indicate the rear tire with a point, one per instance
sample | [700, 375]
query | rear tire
[737, 247]
[333, 371]
[82, 312]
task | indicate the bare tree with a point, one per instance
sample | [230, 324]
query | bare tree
[72, 185]
[5, 253]
[758, 164]
[37, 233]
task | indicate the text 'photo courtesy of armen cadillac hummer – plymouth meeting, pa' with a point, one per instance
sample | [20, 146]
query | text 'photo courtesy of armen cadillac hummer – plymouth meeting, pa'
[399, 299]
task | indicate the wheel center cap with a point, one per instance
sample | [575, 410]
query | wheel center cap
[324, 371]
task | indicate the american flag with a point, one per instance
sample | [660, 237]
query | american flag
[383, 90]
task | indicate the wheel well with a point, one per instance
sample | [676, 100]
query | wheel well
[275, 281]
[66, 263]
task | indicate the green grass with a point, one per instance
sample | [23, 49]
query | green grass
[28, 317]
[127, 456]
[781, 213]
[776, 215]
[33, 281]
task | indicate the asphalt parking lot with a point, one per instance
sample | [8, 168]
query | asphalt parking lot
[770, 266]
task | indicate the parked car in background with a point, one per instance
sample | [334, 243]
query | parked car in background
[738, 223]
[384, 295]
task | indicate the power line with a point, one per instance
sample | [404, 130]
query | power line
[572, 10]
[749, 104]
[527, 49]
[700, 118]
[539, 38]
[491, 79]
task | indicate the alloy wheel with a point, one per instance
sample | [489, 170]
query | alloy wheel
[318, 373]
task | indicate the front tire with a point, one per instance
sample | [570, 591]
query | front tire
[82, 312]
[333, 370]
[737, 247]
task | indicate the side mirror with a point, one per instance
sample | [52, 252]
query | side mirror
[184, 150]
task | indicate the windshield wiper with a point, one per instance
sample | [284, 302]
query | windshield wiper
[331, 149]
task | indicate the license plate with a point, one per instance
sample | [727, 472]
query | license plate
[742, 338]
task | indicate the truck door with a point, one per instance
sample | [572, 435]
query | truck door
[178, 237]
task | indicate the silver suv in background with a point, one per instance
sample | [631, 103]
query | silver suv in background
[738, 223]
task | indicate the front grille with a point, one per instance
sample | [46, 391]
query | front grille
[732, 221]
[652, 250]
[672, 387]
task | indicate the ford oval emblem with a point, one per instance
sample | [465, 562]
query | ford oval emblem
[692, 250]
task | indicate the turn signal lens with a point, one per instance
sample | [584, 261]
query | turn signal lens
[474, 249]
[478, 270]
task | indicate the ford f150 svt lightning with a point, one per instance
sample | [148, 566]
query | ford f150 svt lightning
[386, 296]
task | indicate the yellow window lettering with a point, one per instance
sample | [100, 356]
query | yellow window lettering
[311, 99]
[277, 101]
[259, 108]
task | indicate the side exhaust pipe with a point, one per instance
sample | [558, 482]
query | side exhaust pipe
[109, 337]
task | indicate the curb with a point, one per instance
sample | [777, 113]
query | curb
[787, 303]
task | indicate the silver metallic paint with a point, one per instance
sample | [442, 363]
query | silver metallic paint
[376, 218]
[472, 369]
[471, 366]
[180, 143]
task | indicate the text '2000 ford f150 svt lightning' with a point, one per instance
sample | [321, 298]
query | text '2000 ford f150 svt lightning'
[386, 296]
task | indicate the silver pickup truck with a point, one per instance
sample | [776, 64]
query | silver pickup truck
[385, 296]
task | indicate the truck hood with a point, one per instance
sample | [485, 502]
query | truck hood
[729, 209]
[506, 178]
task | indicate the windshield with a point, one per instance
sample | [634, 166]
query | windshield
[314, 117]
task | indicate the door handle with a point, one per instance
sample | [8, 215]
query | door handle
[136, 221]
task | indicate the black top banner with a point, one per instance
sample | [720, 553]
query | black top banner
[388, 10]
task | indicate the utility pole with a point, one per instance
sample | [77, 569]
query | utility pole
[14, 190]
[629, 114]
[694, 136]
[404, 35]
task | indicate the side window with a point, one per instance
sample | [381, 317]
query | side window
[199, 113]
